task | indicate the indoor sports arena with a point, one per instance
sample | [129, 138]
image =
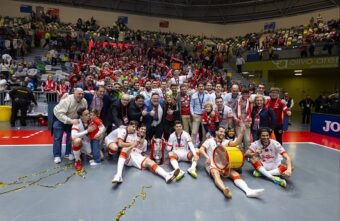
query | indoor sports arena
[169, 110]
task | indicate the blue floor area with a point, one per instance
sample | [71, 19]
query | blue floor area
[312, 193]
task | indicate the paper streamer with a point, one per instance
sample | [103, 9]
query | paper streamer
[141, 194]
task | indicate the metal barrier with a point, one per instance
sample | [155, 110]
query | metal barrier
[46, 102]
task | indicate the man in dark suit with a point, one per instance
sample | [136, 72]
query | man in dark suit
[119, 112]
[153, 114]
[136, 107]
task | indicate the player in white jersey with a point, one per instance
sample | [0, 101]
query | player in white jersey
[207, 150]
[266, 156]
[181, 148]
[134, 155]
[80, 140]
[122, 134]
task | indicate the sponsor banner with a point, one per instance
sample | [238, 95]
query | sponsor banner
[53, 11]
[123, 20]
[269, 26]
[299, 63]
[164, 24]
[325, 124]
[26, 8]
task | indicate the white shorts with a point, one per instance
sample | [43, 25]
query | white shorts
[271, 166]
[86, 147]
[135, 159]
[108, 141]
[183, 155]
[210, 167]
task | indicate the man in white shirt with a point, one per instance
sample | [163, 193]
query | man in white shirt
[266, 156]
[133, 154]
[226, 114]
[80, 140]
[232, 97]
[207, 151]
[179, 80]
[181, 148]
[66, 115]
[259, 91]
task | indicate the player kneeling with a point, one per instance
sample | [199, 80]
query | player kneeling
[81, 141]
[266, 157]
[182, 149]
[207, 150]
[133, 154]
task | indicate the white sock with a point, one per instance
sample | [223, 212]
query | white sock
[194, 164]
[76, 154]
[242, 185]
[120, 166]
[275, 172]
[174, 164]
[265, 173]
[249, 192]
[160, 171]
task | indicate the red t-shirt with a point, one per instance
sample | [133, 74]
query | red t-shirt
[210, 120]
[185, 105]
[97, 122]
[279, 108]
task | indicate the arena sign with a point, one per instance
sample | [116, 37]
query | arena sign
[299, 63]
[326, 124]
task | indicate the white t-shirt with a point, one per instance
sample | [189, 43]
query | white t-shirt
[210, 145]
[181, 143]
[224, 115]
[141, 147]
[271, 155]
[128, 138]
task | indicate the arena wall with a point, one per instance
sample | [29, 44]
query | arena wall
[105, 18]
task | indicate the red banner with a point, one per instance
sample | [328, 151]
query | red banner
[164, 24]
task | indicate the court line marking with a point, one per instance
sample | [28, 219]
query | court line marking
[312, 143]
[24, 137]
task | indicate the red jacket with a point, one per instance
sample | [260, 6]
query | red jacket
[279, 108]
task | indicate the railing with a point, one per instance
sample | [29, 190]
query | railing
[286, 53]
[42, 98]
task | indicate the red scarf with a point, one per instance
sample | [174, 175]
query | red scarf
[239, 108]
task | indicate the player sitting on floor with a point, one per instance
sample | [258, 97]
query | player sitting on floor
[181, 148]
[207, 150]
[133, 154]
[266, 157]
[122, 137]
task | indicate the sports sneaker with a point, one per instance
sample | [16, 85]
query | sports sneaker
[69, 156]
[57, 160]
[280, 181]
[94, 163]
[180, 175]
[227, 193]
[117, 179]
[78, 166]
[254, 193]
[172, 175]
[192, 172]
[256, 173]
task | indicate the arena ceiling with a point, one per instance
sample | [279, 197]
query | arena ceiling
[212, 11]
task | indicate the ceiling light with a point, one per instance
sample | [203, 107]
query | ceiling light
[298, 74]
[245, 72]
[251, 75]
[297, 71]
